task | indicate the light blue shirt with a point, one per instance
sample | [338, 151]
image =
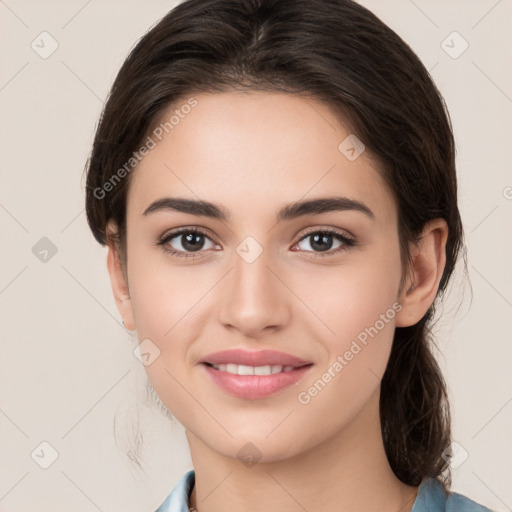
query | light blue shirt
[430, 498]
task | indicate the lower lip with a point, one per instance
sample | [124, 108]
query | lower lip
[253, 387]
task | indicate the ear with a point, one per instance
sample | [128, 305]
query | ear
[428, 262]
[119, 286]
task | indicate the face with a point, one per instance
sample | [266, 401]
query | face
[255, 274]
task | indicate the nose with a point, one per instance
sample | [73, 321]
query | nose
[254, 299]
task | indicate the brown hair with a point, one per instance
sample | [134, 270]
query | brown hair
[338, 52]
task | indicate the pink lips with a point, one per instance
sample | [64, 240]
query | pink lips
[254, 387]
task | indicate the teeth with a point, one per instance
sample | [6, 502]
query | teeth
[241, 369]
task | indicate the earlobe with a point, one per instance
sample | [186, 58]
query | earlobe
[119, 287]
[428, 262]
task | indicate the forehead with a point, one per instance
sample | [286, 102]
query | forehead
[250, 150]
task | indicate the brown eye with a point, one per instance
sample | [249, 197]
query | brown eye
[186, 242]
[189, 242]
[324, 241]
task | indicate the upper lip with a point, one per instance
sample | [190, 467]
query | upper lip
[254, 358]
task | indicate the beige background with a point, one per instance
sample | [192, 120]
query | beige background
[67, 367]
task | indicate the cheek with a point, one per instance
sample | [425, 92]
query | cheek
[164, 296]
[357, 305]
[166, 304]
[360, 311]
[349, 298]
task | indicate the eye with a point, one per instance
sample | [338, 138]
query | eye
[184, 242]
[322, 241]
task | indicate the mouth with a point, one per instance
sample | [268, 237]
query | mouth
[257, 381]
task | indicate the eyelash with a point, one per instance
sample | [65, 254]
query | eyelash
[167, 237]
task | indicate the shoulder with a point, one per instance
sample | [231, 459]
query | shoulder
[432, 497]
[178, 499]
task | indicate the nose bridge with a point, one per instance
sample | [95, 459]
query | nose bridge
[253, 298]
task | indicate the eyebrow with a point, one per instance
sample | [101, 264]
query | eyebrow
[290, 211]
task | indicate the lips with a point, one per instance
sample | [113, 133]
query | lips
[254, 387]
[254, 358]
[254, 374]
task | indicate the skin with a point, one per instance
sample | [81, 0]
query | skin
[253, 153]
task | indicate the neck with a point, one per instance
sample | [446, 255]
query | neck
[346, 472]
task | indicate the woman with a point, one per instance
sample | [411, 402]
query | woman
[275, 181]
